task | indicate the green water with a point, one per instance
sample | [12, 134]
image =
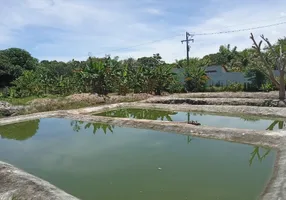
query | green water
[97, 161]
[203, 118]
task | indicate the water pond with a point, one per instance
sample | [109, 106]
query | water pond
[99, 161]
[248, 122]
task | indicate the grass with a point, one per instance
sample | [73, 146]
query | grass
[52, 102]
[24, 100]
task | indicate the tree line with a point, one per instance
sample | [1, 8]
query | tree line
[22, 75]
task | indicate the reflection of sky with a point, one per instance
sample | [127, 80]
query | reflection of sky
[83, 163]
[224, 121]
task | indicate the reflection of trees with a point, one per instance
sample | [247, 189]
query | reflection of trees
[189, 139]
[78, 125]
[20, 131]
[250, 118]
[280, 125]
[256, 153]
[139, 114]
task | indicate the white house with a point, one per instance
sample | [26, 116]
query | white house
[220, 76]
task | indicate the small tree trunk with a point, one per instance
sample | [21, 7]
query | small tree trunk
[282, 86]
[158, 91]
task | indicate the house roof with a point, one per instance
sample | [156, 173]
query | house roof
[222, 66]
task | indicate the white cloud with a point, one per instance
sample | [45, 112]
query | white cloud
[66, 29]
[154, 11]
[232, 19]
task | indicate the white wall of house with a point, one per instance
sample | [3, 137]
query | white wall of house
[219, 76]
[224, 79]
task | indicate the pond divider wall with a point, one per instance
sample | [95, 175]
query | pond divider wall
[16, 179]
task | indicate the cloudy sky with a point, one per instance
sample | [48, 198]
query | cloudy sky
[67, 29]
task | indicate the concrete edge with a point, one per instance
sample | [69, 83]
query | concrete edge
[20, 185]
[274, 139]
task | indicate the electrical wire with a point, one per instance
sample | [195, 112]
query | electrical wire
[198, 34]
[252, 22]
[142, 44]
[239, 30]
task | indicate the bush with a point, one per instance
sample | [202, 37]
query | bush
[175, 87]
[234, 87]
[215, 89]
[267, 87]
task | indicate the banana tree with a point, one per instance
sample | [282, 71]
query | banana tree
[98, 75]
[163, 76]
[121, 77]
[195, 79]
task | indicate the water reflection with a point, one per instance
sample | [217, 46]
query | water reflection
[20, 131]
[140, 114]
[189, 139]
[279, 124]
[260, 155]
[250, 118]
[78, 125]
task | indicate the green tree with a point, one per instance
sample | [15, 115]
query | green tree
[195, 76]
[256, 77]
[13, 62]
[98, 75]
[163, 76]
[150, 62]
[27, 84]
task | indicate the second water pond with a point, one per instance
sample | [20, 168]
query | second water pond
[245, 122]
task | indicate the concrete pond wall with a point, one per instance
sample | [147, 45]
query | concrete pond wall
[17, 184]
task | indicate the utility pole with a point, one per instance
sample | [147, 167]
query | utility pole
[187, 40]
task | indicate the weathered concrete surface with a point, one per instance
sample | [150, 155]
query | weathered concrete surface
[19, 185]
[217, 101]
[252, 95]
[276, 187]
[274, 139]
[7, 109]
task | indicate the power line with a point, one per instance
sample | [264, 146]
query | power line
[142, 44]
[239, 30]
[197, 34]
[253, 22]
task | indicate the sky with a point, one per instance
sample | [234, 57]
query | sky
[73, 29]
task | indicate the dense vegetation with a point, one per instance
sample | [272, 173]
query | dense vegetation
[21, 75]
